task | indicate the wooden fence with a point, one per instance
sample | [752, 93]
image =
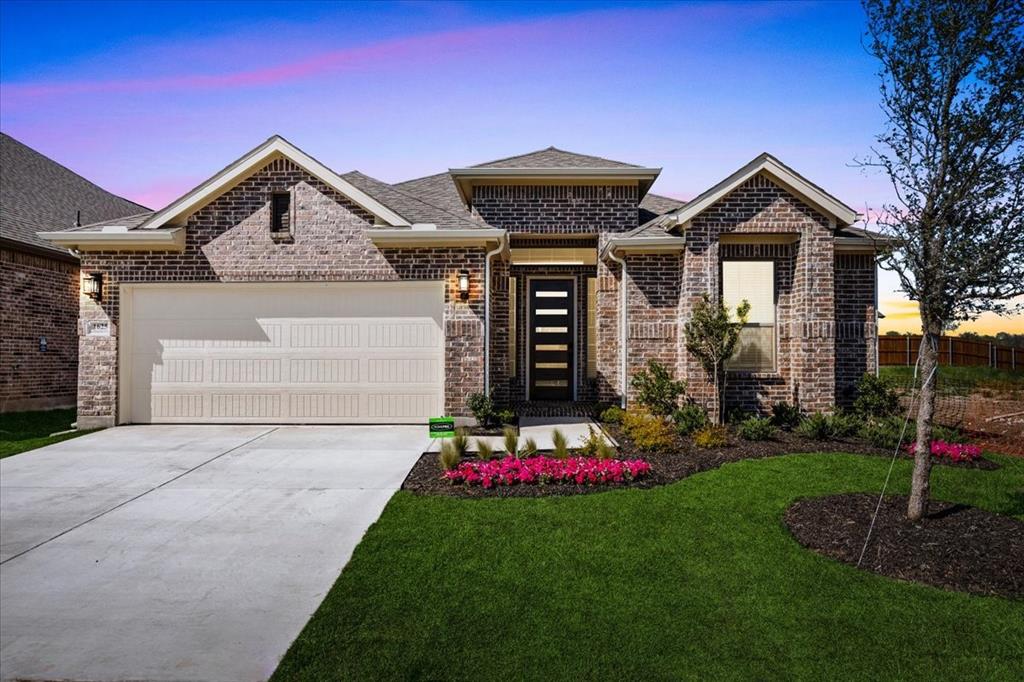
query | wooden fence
[953, 351]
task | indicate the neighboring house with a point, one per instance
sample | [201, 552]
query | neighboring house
[39, 282]
[281, 291]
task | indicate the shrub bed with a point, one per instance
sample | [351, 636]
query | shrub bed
[548, 470]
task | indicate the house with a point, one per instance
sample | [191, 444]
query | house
[282, 291]
[39, 281]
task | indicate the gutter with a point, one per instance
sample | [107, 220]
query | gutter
[623, 321]
[173, 239]
[502, 243]
[426, 237]
[644, 244]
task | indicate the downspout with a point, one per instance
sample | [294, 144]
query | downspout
[487, 313]
[623, 322]
[875, 340]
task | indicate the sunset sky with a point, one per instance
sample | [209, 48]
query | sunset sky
[148, 100]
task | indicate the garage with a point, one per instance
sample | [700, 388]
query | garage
[298, 353]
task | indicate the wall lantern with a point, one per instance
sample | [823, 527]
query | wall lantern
[464, 284]
[92, 286]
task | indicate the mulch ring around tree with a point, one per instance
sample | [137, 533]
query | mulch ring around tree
[954, 547]
[681, 461]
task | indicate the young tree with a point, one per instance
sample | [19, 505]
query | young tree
[952, 75]
[711, 335]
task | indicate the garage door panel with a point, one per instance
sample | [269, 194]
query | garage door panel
[288, 369]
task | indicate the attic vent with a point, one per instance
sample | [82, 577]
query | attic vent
[281, 214]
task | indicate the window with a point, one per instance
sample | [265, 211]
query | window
[512, 326]
[753, 281]
[280, 212]
[591, 327]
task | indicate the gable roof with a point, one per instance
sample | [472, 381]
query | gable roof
[39, 194]
[275, 147]
[414, 208]
[780, 173]
[552, 157]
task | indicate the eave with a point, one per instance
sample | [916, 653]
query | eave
[465, 177]
[131, 240]
[407, 238]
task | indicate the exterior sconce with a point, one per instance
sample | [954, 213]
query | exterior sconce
[464, 284]
[92, 286]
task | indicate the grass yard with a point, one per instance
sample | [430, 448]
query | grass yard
[692, 580]
[965, 380]
[21, 431]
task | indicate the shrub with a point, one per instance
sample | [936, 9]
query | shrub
[542, 470]
[559, 445]
[757, 428]
[785, 416]
[605, 451]
[689, 418]
[507, 416]
[613, 415]
[592, 443]
[460, 441]
[656, 389]
[529, 448]
[885, 433]
[648, 431]
[484, 450]
[948, 434]
[737, 414]
[875, 397]
[482, 408]
[511, 441]
[448, 458]
[820, 426]
[711, 436]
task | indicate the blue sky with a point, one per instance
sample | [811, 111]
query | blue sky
[150, 99]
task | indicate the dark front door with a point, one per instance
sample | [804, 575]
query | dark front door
[552, 339]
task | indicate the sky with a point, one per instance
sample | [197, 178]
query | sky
[150, 99]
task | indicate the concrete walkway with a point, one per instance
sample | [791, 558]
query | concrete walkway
[540, 429]
[182, 552]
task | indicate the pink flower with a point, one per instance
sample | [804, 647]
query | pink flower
[515, 471]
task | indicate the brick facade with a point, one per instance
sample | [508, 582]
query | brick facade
[229, 241]
[40, 300]
[824, 301]
[558, 209]
[805, 315]
[856, 331]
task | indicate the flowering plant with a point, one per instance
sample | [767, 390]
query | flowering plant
[540, 469]
[954, 452]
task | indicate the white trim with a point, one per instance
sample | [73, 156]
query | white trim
[407, 237]
[642, 244]
[275, 146]
[464, 177]
[173, 239]
[787, 177]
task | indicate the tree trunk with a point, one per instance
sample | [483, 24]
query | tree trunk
[920, 481]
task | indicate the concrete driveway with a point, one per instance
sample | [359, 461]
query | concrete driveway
[182, 552]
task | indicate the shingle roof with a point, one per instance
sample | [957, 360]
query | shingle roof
[37, 194]
[553, 157]
[438, 189]
[415, 209]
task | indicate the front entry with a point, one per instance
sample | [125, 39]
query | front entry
[552, 339]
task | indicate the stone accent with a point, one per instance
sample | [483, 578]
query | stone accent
[856, 331]
[805, 319]
[565, 209]
[40, 299]
[229, 241]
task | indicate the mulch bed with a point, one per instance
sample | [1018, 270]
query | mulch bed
[666, 467]
[955, 547]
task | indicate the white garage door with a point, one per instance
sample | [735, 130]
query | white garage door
[283, 353]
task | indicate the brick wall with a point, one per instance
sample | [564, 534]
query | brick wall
[547, 209]
[653, 294]
[229, 241]
[856, 333]
[40, 299]
[805, 319]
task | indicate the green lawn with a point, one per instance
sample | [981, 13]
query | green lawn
[21, 431]
[965, 380]
[699, 579]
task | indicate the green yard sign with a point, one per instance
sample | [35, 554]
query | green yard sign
[442, 427]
